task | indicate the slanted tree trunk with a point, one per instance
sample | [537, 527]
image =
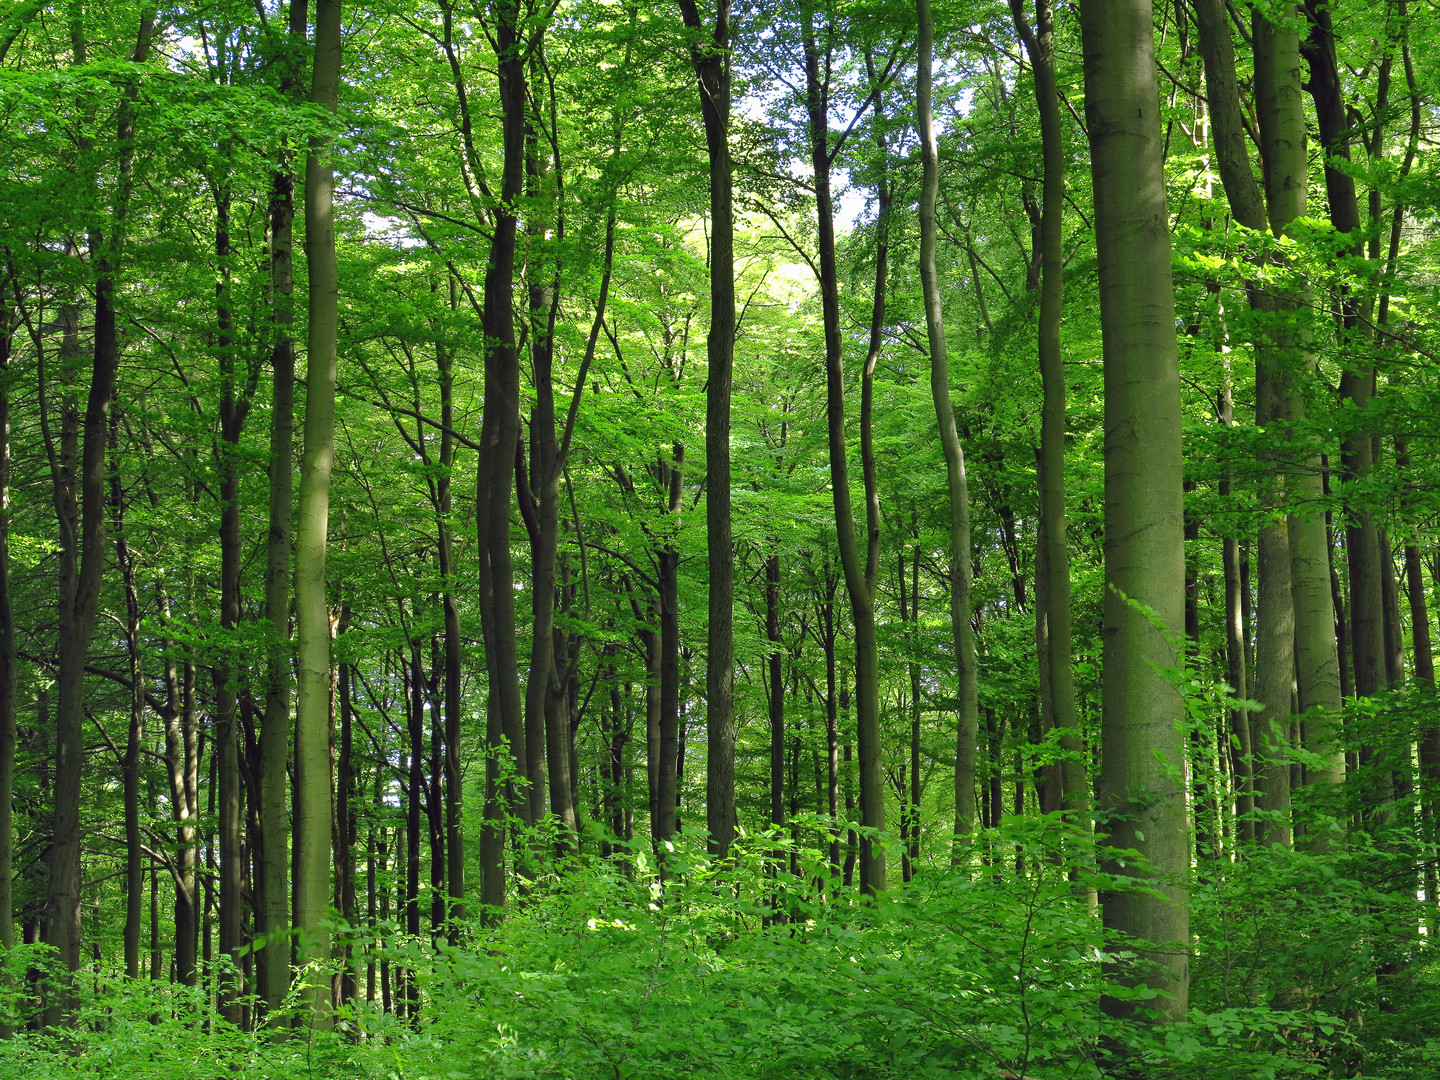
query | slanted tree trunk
[857, 566]
[83, 552]
[1141, 790]
[968, 715]
[1055, 627]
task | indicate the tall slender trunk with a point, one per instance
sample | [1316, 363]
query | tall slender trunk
[1292, 549]
[7, 655]
[1316, 653]
[539, 501]
[500, 430]
[672, 475]
[80, 592]
[7, 646]
[711, 60]
[346, 824]
[858, 568]
[968, 715]
[130, 761]
[273, 914]
[234, 406]
[1056, 640]
[313, 794]
[775, 693]
[1143, 752]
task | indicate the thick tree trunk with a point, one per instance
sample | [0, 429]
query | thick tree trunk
[1143, 753]
[313, 796]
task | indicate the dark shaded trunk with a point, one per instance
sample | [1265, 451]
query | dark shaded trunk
[499, 437]
[856, 560]
[272, 916]
[82, 544]
[710, 56]
[8, 326]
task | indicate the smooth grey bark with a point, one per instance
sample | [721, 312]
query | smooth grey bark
[313, 793]
[1142, 767]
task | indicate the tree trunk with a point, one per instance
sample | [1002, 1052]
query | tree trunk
[500, 431]
[313, 795]
[711, 60]
[7, 650]
[1074, 783]
[668, 574]
[234, 406]
[130, 761]
[968, 715]
[273, 913]
[1143, 753]
[83, 555]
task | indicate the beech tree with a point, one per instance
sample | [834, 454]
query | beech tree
[515, 653]
[1142, 749]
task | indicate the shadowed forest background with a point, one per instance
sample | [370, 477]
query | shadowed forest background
[829, 539]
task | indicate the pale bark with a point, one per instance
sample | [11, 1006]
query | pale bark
[313, 795]
[1142, 750]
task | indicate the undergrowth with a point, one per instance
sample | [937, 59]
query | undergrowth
[733, 972]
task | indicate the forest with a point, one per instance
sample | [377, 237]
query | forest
[833, 539]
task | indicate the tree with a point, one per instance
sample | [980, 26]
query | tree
[967, 718]
[1141, 797]
[313, 792]
[712, 74]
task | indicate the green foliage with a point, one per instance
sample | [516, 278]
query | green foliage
[734, 971]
